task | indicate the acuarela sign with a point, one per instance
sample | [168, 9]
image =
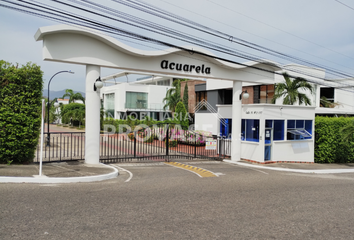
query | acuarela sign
[165, 64]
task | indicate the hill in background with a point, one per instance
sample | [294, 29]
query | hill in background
[58, 94]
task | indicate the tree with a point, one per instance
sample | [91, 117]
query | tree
[53, 113]
[73, 96]
[185, 97]
[289, 90]
[72, 111]
[20, 111]
[173, 96]
[182, 116]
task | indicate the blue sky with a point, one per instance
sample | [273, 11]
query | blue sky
[319, 31]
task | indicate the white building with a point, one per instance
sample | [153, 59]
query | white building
[139, 99]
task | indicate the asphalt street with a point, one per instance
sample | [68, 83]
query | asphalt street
[161, 201]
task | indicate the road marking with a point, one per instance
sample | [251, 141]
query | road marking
[125, 170]
[199, 171]
[247, 167]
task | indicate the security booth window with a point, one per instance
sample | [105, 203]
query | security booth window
[278, 129]
[299, 129]
[225, 127]
[250, 130]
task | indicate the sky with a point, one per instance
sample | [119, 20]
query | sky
[319, 31]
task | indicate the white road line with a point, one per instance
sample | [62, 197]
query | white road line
[319, 171]
[250, 168]
[125, 170]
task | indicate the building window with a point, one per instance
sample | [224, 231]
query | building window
[250, 130]
[225, 127]
[200, 97]
[109, 104]
[328, 93]
[263, 93]
[225, 96]
[136, 100]
[278, 129]
[299, 129]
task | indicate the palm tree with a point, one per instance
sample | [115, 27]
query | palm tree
[289, 90]
[73, 96]
[173, 96]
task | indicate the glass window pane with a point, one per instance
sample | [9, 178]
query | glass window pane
[267, 151]
[308, 127]
[269, 124]
[252, 130]
[243, 129]
[278, 130]
[263, 94]
[291, 123]
[299, 123]
[136, 100]
[109, 104]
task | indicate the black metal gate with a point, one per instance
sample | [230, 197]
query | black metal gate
[160, 142]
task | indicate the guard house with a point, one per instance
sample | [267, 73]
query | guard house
[272, 133]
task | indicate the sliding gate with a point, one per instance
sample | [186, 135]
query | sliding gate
[157, 143]
[154, 143]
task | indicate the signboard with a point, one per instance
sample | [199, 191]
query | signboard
[210, 144]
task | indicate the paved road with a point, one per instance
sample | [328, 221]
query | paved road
[160, 201]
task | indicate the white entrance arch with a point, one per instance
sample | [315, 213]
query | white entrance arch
[77, 45]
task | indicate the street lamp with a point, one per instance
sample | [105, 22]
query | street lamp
[245, 95]
[56, 104]
[98, 84]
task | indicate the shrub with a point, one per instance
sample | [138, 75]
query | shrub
[330, 146]
[172, 143]
[181, 115]
[131, 136]
[20, 111]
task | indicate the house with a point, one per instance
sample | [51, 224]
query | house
[138, 99]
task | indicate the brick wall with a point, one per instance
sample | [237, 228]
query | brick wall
[191, 93]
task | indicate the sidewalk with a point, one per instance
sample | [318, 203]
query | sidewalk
[300, 167]
[62, 172]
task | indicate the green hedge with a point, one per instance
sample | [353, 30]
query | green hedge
[20, 111]
[329, 144]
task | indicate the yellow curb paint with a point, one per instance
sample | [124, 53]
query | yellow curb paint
[199, 171]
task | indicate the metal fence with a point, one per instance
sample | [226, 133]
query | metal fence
[158, 143]
[63, 146]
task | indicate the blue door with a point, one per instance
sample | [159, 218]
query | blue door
[268, 139]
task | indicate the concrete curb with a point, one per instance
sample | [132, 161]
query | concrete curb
[323, 171]
[45, 179]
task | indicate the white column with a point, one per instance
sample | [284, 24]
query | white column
[92, 116]
[236, 121]
[317, 95]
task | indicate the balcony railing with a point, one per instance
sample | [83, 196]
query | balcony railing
[145, 106]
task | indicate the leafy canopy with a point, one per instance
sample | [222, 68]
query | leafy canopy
[290, 91]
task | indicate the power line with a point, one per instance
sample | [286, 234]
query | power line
[232, 26]
[344, 4]
[118, 31]
[280, 29]
[190, 39]
[160, 13]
